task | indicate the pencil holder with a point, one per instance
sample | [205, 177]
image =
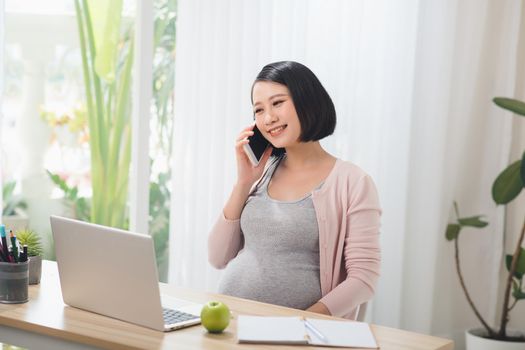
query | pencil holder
[14, 279]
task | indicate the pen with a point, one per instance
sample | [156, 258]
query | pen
[14, 246]
[11, 258]
[23, 254]
[4, 243]
[314, 330]
[2, 258]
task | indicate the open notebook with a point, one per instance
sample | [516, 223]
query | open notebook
[309, 331]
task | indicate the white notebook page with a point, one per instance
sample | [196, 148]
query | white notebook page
[279, 330]
[342, 333]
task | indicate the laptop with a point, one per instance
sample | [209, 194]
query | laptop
[112, 272]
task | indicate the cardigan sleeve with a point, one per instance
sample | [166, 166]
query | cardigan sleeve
[362, 255]
[224, 241]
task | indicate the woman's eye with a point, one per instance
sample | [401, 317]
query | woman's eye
[277, 103]
[257, 111]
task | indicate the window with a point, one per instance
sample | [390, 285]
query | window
[48, 138]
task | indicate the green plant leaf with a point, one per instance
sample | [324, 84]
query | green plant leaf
[508, 261]
[452, 231]
[8, 188]
[508, 184]
[73, 194]
[32, 240]
[522, 171]
[106, 17]
[473, 221]
[511, 104]
[520, 268]
[521, 263]
[518, 294]
[11, 202]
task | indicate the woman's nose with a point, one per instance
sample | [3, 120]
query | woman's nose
[269, 118]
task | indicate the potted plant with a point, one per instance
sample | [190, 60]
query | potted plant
[505, 189]
[34, 251]
[13, 211]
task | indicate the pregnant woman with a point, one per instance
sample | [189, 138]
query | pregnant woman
[301, 229]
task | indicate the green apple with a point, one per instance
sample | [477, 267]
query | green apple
[215, 316]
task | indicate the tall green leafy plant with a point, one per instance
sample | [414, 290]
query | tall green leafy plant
[107, 81]
[507, 186]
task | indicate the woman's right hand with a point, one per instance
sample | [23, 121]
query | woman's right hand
[247, 174]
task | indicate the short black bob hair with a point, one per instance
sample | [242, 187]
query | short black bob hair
[314, 107]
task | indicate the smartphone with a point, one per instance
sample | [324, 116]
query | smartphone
[255, 149]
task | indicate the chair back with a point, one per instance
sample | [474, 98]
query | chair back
[361, 312]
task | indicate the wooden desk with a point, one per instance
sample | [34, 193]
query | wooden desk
[46, 314]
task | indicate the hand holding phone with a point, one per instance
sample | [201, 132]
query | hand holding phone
[256, 146]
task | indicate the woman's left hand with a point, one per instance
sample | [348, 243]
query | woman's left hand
[319, 308]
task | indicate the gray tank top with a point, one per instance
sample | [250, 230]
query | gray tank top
[280, 260]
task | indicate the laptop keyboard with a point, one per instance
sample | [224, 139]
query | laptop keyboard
[174, 316]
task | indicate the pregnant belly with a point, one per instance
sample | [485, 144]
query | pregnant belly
[284, 280]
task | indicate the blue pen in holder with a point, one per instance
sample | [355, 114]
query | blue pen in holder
[14, 279]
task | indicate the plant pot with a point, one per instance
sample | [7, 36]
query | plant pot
[474, 339]
[35, 269]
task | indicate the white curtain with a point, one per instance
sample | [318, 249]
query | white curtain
[467, 53]
[412, 82]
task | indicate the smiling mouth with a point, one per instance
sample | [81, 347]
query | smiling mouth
[278, 130]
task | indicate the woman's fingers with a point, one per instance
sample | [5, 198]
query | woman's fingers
[249, 127]
[241, 143]
[245, 134]
[247, 131]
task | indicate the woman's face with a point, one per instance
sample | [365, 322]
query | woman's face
[275, 114]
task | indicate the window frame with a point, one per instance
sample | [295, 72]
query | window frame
[141, 112]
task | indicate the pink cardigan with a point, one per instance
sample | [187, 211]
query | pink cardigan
[348, 214]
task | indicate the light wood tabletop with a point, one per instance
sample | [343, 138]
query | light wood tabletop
[46, 314]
